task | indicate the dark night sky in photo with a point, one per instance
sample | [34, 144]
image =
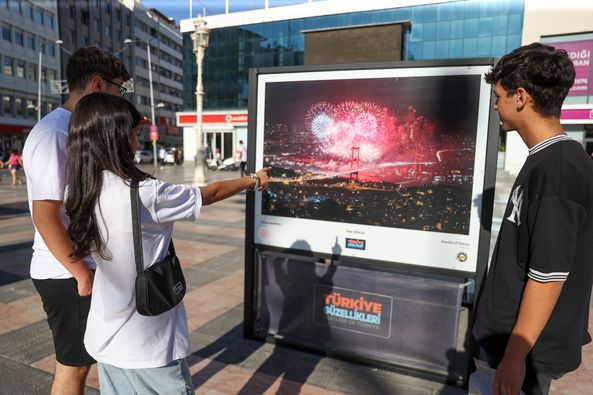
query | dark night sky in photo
[452, 100]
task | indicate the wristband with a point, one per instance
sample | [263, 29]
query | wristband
[257, 180]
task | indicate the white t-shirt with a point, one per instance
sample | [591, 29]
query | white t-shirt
[44, 161]
[242, 151]
[116, 334]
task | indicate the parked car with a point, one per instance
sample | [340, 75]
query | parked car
[143, 156]
[169, 157]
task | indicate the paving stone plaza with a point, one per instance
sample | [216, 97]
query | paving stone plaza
[222, 362]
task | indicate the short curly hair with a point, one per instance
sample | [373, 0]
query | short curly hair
[546, 73]
[88, 61]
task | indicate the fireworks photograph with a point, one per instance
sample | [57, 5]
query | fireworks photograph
[388, 152]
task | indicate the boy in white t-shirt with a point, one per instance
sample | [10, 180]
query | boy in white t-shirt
[63, 284]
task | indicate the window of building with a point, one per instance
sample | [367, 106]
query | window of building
[71, 10]
[4, 4]
[42, 47]
[7, 104]
[53, 75]
[6, 32]
[128, 20]
[32, 72]
[39, 16]
[8, 67]
[18, 37]
[97, 24]
[16, 6]
[29, 10]
[84, 17]
[20, 69]
[108, 9]
[118, 15]
[31, 41]
[50, 21]
[51, 51]
[43, 74]
[19, 106]
[29, 105]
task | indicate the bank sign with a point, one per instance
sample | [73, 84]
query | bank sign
[580, 54]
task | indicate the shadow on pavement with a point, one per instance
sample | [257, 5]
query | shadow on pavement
[232, 349]
[14, 209]
[15, 261]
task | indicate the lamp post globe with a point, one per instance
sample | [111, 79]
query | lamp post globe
[200, 43]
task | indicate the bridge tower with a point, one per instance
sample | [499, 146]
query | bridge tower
[354, 163]
[418, 155]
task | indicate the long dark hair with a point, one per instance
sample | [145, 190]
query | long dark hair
[99, 139]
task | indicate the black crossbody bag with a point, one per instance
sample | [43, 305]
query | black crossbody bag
[162, 286]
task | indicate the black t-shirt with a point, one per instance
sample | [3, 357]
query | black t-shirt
[546, 235]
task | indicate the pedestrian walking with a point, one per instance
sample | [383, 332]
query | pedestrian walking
[242, 157]
[64, 285]
[136, 353]
[15, 163]
[532, 314]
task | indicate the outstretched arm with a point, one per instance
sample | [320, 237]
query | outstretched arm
[224, 189]
[537, 304]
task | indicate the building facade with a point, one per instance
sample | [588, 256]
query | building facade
[125, 28]
[29, 30]
[154, 29]
[567, 25]
[274, 37]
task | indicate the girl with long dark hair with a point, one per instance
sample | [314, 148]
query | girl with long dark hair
[136, 353]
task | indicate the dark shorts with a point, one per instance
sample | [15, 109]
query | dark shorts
[14, 167]
[67, 313]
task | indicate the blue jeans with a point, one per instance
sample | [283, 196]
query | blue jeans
[173, 379]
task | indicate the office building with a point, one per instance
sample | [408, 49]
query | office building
[29, 30]
[108, 24]
[275, 37]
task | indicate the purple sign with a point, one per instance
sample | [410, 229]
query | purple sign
[580, 54]
[577, 114]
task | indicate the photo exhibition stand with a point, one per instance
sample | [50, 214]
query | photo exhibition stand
[372, 240]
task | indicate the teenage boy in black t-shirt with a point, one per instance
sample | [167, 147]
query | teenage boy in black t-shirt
[533, 312]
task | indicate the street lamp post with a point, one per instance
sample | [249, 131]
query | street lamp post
[39, 89]
[200, 43]
[38, 106]
[153, 127]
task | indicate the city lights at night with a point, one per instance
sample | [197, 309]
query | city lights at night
[372, 152]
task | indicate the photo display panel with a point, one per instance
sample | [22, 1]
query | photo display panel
[379, 164]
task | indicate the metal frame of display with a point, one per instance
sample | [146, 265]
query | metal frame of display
[485, 216]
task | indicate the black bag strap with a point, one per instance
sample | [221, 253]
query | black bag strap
[136, 229]
[135, 199]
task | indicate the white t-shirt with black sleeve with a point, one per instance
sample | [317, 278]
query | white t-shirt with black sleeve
[546, 235]
[44, 161]
[116, 334]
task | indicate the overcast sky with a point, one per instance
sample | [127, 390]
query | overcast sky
[179, 9]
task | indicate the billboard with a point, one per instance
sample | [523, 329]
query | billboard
[399, 319]
[382, 164]
[580, 54]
